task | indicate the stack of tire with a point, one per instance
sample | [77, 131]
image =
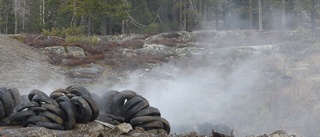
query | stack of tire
[127, 106]
[9, 99]
[60, 111]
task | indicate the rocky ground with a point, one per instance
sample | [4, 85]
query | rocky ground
[280, 66]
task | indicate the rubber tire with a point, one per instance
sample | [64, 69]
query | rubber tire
[69, 109]
[58, 93]
[50, 125]
[128, 106]
[166, 124]
[55, 110]
[35, 92]
[143, 119]
[37, 109]
[2, 111]
[83, 111]
[93, 105]
[148, 111]
[39, 98]
[25, 105]
[34, 120]
[63, 99]
[24, 98]
[118, 101]
[15, 94]
[17, 117]
[53, 117]
[133, 111]
[78, 90]
[7, 101]
[108, 96]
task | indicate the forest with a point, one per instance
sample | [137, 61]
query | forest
[109, 17]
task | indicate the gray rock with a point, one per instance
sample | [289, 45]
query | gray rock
[75, 51]
[56, 50]
[120, 129]
[91, 129]
[154, 49]
[279, 133]
[87, 71]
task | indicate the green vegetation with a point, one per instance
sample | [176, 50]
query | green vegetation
[108, 17]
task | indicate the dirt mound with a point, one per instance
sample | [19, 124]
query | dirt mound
[24, 68]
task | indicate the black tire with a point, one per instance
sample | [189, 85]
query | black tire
[107, 99]
[93, 105]
[112, 119]
[15, 94]
[63, 99]
[119, 100]
[68, 108]
[18, 117]
[129, 105]
[55, 110]
[35, 92]
[53, 117]
[166, 124]
[34, 120]
[151, 125]
[50, 125]
[24, 98]
[78, 90]
[39, 98]
[143, 119]
[83, 111]
[2, 111]
[148, 111]
[7, 101]
[25, 105]
[133, 111]
[58, 93]
[37, 109]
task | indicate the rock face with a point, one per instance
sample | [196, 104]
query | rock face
[91, 129]
[24, 68]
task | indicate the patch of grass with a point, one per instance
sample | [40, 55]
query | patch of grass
[86, 40]
[132, 44]
[82, 60]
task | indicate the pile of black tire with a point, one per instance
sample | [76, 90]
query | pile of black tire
[127, 106]
[59, 111]
[63, 108]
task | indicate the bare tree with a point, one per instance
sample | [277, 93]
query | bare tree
[260, 15]
[250, 11]
[313, 15]
[283, 25]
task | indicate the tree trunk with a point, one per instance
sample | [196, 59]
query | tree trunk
[89, 26]
[103, 26]
[313, 15]
[180, 16]
[73, 19]
[216, 7]
[15, 22]
[250, 15]
[205, 11]
[283, 16]
[24, 15]
[43, 12]
[260, 15]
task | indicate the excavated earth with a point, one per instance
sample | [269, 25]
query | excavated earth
[26, 68]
